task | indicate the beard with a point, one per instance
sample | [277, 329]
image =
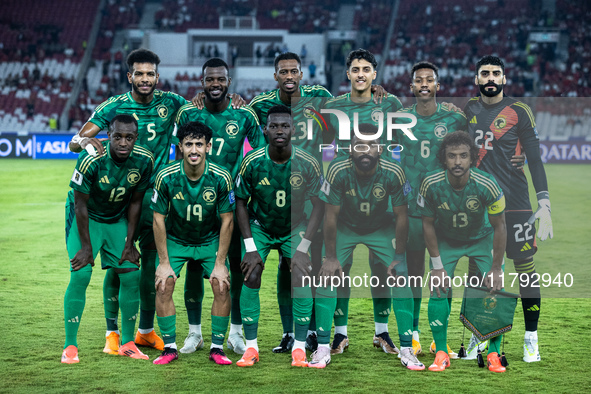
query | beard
[491, 93]
[219, 99]
[137, 90]
[368, 166]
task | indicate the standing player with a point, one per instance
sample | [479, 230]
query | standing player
[193, 202]
[278, 179]
[102, 214]
[230, 127]
[361, 71]
[155, 112]
[453, 203]
[288, 74]
[503, 126]
[358, 191]
[434, 121]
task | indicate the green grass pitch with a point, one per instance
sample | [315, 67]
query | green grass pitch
[34, 275]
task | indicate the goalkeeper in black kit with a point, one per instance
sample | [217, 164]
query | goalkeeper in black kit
[502, 127]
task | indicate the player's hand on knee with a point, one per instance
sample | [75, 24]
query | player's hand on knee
[221, 275]
[301, 264]
[439, 282]
[518, 161]
[249, 262]
[237, 100]
[163, 272]
[131, 254]
[494, 280]
[399, 259]
[199, 100]
[82, 258]
[330, 267]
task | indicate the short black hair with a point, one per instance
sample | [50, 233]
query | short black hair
[214, 62]
[125, 119]
[454, 139]
[194, 130]
[142, 55]
[490, 60]
[365, 129]
[420, 65]
[287, 56]
[362, 54]
[279, 109]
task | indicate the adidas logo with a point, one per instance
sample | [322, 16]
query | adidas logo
[179, 196]
[74, 320]
[534, 308]
[248, 319]
[129, 352]
[385, 312]
[114, 299]
[133, 317]
[339, 312]
[104, 179]
[351, 193]
[526, 247]
[436, 323]
[409, 332]
[473, 120]
[444, 206]
[265, 182]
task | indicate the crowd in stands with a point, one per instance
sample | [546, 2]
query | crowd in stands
[41, 45]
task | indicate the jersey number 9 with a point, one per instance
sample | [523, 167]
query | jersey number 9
[195, 211]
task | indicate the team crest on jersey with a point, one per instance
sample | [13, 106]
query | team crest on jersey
[296, 180]
[308, 112]
[472, 203]
[209, 195]
[440, 130]
[232, 128]
[162, 111]
[500, 122]
[77, 177]
[377, 115]
[133, 177]
[378, 192]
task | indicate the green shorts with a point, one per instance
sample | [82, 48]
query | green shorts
[382, 243]
[479, 250]
[108, 238]
[416, 239]
[204, 254]
[144, 232]
[286, 244]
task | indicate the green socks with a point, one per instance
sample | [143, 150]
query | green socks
[219, 327]
[284, 299]
[167, 326]
[250, 305]
[438, 316]
[74, 301]
[194, 292]
[129, 301]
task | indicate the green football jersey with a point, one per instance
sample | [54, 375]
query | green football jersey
[461, 215]
[308, 133]
[192, 208]
[364, 202]
[277, 192]
[368, 112]
[230, 127]
[420, 157]
[155, 120]
[110, 184]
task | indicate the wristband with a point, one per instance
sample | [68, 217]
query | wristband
[436, 262]
[304, 245]
[249, 245]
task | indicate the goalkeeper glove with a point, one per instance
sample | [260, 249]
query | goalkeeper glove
[543, 213]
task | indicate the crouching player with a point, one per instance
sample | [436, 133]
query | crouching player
[102, 214]
[454, 203]
[278, 179]
[358, 191]
[193, 205]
